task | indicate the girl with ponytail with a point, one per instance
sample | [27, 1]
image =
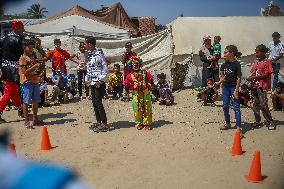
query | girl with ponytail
[230, 78]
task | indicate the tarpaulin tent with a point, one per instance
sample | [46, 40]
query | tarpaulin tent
[116, 15]
[156, 49]
[78, 21]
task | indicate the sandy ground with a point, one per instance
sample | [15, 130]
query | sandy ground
[185, 149]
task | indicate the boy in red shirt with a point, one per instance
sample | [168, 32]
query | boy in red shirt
[260, 77]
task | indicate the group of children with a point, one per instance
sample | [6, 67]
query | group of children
[253, 93]
[160, 90]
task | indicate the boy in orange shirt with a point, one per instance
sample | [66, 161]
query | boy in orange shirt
[58, 56]
[29, 71]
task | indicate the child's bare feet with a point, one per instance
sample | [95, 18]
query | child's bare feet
[168, 103]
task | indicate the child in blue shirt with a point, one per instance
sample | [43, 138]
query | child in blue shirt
[165, 94]
[60, 89]
[72, 85]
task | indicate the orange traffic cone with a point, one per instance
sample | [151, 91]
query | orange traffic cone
[45, 142]
[255, 169]
[237, 146]
[12, 149]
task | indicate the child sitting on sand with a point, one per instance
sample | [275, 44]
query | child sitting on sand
[209, 94]
[165, 93]
[43, 90]
[115, 82]
[72, 86]
[278, 97]
[244, 95]
[60, 89]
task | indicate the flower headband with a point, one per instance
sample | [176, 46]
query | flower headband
[133, 59]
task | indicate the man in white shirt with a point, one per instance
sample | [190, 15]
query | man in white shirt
[97, 71]
[276, 51]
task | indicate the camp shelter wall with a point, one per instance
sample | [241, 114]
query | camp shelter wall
[245, 32]
[155, 50]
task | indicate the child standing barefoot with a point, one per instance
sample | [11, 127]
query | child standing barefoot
[230, 78]
[29, 77]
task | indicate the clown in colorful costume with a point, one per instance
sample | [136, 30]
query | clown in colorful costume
[138, 81]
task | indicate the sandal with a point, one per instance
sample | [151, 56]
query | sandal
[271, 126]
[28, 126]
[225, 127]
[148, 127]
[38, 123]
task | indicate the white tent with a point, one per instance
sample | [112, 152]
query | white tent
[244, 32]
[78, 21]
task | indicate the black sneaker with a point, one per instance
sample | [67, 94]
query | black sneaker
[94, 125]
[101, 128]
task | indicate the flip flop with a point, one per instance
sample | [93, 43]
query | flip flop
[271, 126]
[28, 126]
[148, 127]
